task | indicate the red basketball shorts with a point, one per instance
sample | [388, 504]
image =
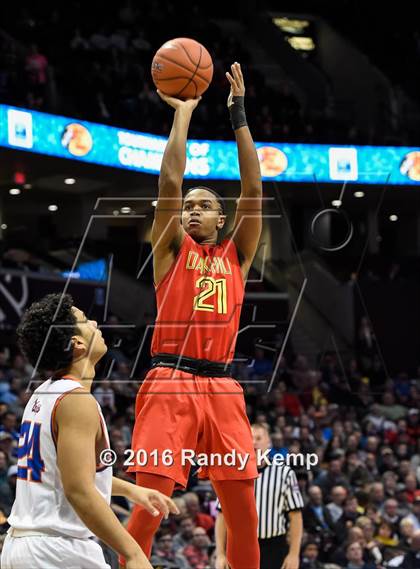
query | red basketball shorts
[182, 417]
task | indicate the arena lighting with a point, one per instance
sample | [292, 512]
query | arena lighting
[3, 226]
[14, 191]
[359, 194]
[52, 207]
[393, 217]
[69, 181]
[27, 186]
[336, 203]
[302, 43]
[291, 26]
[41, 133]
[125, 209]
[115, 212]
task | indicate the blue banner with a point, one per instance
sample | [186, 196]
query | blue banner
[63, 137]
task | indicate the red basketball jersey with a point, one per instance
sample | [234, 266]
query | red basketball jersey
[199, 302]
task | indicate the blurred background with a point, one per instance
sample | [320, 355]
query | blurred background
[329, 343]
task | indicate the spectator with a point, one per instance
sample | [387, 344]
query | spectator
[7, 445]
[377, 494]
[3, 467]
[411, 559]
[197, 553]
[348, 517]
[317, 519]
[354, 554]
[105, 396]
[185, 534]
[199, 518]
[164, 553]
[390, 409]
[386, 536]
[335, 507]
[415, 514]
[262, 366]
[390, 514]
[8, 490]
[406, 531]
[333, 476]
[310, 553]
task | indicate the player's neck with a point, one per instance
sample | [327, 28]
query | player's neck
[83, 371]
[211, 240]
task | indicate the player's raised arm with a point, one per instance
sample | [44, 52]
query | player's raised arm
[167, 232]
[77, 422]
[248, 222]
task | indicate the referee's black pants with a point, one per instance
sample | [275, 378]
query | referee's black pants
[273, 550]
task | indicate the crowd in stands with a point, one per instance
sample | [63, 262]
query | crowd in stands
[98, 68]
[362, 499]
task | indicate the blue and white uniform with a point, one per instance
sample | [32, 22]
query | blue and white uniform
[46, 532]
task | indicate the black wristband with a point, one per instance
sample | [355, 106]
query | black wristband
[237, 112]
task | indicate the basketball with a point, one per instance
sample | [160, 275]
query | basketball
[182, 68]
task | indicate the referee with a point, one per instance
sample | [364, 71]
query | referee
[279, 504]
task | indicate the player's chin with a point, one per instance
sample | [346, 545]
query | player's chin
[194, 230]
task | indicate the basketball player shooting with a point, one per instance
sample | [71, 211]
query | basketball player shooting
[188, 399]
[63, 491]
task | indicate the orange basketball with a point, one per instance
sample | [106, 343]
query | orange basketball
[182, 68]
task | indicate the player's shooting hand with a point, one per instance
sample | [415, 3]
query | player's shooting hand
[291, 562]
[176, 104]
[236, 80]
[153, 501]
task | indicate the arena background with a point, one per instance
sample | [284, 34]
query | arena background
[329, 342]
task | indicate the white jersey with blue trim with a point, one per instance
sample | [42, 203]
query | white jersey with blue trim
[40, 503]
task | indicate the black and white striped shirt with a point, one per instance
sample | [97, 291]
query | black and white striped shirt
[276, 493]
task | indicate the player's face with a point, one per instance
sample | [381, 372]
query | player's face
[201, 214]
[90, 336]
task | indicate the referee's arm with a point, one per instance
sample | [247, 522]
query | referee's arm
[293, 505]
[220, 533]
[291, 560]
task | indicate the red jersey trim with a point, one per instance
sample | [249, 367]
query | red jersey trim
[100, 467]
[53, 425]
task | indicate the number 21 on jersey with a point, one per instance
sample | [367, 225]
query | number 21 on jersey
[29, 449]
[211, 287]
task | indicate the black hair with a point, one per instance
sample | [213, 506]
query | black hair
[34, 326]
[309, 543]
[218, 197]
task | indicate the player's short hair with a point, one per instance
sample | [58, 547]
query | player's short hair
[33, 329]
[218, 197]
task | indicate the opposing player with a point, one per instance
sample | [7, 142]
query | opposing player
[63, 491]
[188, 399]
